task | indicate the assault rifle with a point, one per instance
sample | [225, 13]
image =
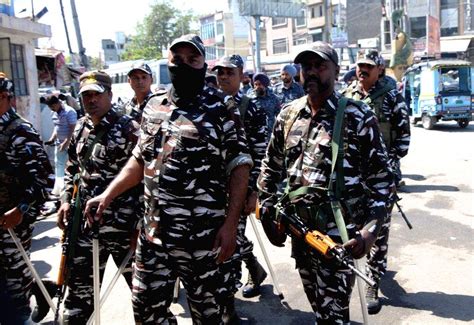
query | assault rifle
[68, 240]
[397, 198]
[320, 242]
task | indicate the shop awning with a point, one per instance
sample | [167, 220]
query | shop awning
[455, 45]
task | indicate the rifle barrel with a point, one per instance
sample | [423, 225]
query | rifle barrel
[403, 215]
[367, 280]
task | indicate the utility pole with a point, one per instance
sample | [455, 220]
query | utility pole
[82, 50]
[257, 42]
[252, 47]
[65, 26]
[328, 18]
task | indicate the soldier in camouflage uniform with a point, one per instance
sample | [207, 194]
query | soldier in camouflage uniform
[246, 83]
[112, 138]
[140, 78]
[25, 174]
[265, 98]
[300, 152]
[288, 90]
[229, 75]
[373, 88]
[192, 155]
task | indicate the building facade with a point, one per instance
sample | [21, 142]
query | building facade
[18, 62]
[224, 33]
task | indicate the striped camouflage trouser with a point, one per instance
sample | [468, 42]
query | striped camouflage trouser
[377, 258]
[15, 278]
[79, 301]
[327, 284]
[155, 271]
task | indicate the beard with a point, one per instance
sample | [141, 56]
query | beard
[320, 87]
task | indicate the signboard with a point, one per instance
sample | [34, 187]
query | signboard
[368, 43]
[271, 8]
[339, 38]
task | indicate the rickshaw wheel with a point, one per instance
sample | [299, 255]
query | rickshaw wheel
[428, 122]
[463, 123]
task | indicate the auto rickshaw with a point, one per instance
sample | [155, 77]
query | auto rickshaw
[440, 90]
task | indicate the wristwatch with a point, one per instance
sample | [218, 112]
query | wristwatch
[23, 207]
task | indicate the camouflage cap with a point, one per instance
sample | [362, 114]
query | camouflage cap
[191, 39]
[98, 81]
[6, 85]
[370, 57]
[141, 67]
[324, 50]
[233, 61]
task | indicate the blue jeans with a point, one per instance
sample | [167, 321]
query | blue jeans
[60, 159]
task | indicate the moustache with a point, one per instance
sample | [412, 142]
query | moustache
[363, 74]
[312, 79]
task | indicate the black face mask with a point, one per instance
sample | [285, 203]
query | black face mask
[188, 83]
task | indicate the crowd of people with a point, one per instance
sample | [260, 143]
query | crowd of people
[173, 176]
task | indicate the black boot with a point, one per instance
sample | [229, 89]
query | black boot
[372, 298]
[42, 307]
[256, 276]
[230, 317]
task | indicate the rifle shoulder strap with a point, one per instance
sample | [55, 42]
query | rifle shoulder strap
[337, 158]
[337, 170]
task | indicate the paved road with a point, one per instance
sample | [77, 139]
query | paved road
[431, 268]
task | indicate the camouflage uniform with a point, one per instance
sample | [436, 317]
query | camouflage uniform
[188, 154]
[300, 152]
[108, 157]
[25, 174]
[286, 95]
[269, 103]
[395, 115]
[255, 126]
[135, 110]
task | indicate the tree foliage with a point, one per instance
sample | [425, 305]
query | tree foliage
[158, 29]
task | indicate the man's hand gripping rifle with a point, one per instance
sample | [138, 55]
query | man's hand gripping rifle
[315, 239]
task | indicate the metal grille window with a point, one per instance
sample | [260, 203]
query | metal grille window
[301, 21]
[12, 63]
[278, 21]
[280, 46]
[211, 53]
[208, 31]
[219, 28]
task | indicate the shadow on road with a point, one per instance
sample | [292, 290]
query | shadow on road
[426, 188]
[43, 226]
[449, 127]
[449, 306]
[415, 177]
[41, 267]
[43, 242]
[275, 310]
